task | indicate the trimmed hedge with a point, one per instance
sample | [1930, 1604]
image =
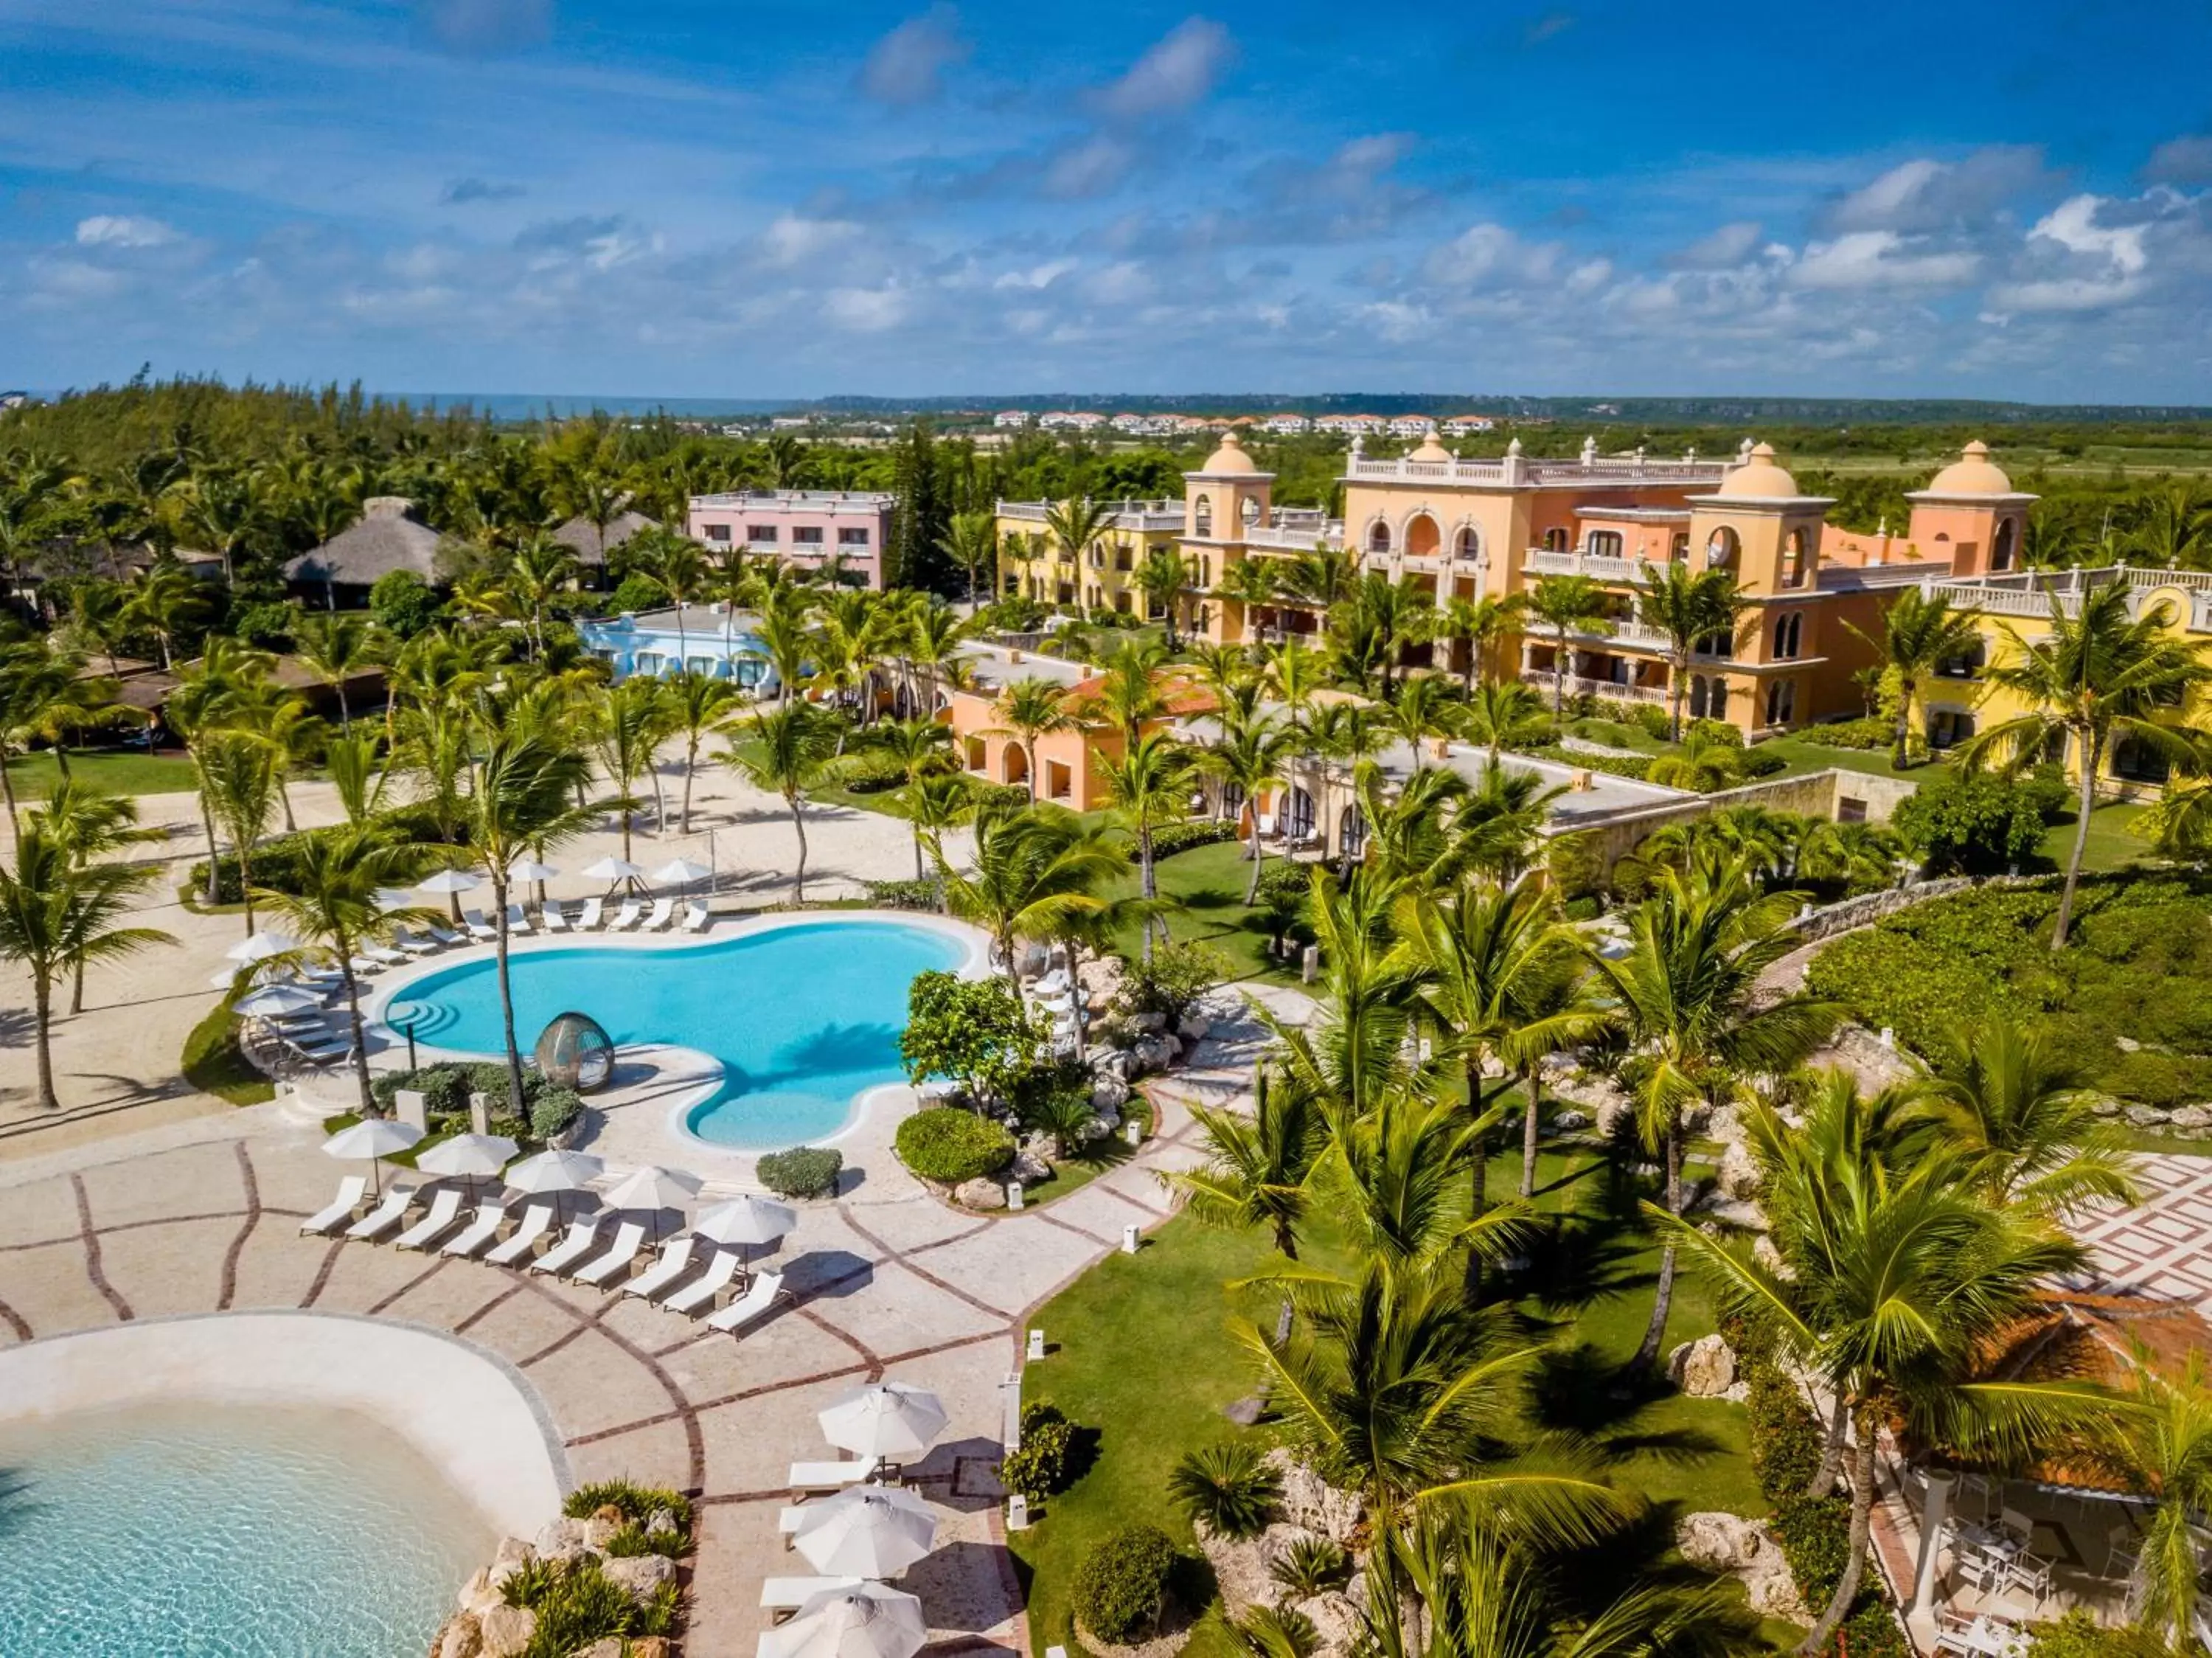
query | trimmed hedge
[949, 1145]
[1123, 1582]
[1853, 733]
[903, 894]
[1621, 766]
[801, 1172]
[1173, 838]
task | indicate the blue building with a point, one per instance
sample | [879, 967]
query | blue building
[708, 639]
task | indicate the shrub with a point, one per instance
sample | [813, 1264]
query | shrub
[1652, 719]
[551, 1110]
[444, 1089]
[1853, 733]
[1786, 1437]
[975, 1031]
[1763, 762]
[1042, 1464]
[636, 592]
[1586, 908]
[1310, 1566]
[1970, 823]
[403, 603]
[276, 866]
[1230, 1487]
[1171, 983]
[265, 627]
[1276, 1632]
[2079, 1635]
[872, 774]
[987, 792]
[1122, 1581]
[1173, 838]
[801, 1172]
[1576, 865]
[1815, 1535]
[903, 894]
[638, 1503]
[1719, 732]
[1871, 1630]
[1281, 903]
[949, 1145]
[1620, 765]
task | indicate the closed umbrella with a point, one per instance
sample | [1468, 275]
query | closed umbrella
[554, 1172]
[273, 1001]
[372, 1139]
[866, 1621]
[884, 1418]
[259, 946]
[652, 1189]
[869, 1530]
[468, 1156]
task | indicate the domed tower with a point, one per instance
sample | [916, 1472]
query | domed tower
[1224, 495]
[1758, 527]
[1970, 516]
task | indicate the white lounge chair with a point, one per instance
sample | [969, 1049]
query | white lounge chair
[589, 917]
[414, 946]
[765, 1290]
[444, 1214]
[444, 936]
[829, 1476]
[664, 911]
[518, 923]
[550, 918]
[477, 926]
[336, 1051]
[537, 1221]
[379, 953]
[702, 1291]
[675, 1261]
[626, 917]
[385, 1215]
[350, 1190]
[790, 1593]
[480, 1232]
[365, 966]
[580, 1239]
[629, 1237]
[697, 917]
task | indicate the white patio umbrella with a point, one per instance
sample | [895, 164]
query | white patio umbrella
[259, 946]
[682, 872]
[530, 869]
[868, 1531]
[747, 1220]
[271, 1001]
[372, 1139]
[884, 1418]
[451, 884]
[652, 1189]
[468, 1156]
[615, 870]
[554, 1173]
[866, 1621]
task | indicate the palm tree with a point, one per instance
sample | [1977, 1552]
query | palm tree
[35, 679]
[1496, 830]
[237, 769]
[1702, 762]
[200, 708]
[1566, 604]
[1146, 785]
[167, 599]
[1256, 583]
[1892, 1277]
[1919, 633]
[933, 802]
[2177, 530]
[1687, 995]
[787, 753]
[1691, 611]
[1130, 692]
[2155, 1440]
[1480, 624]
[88, 826]
[1498, 712]
[336, 904]
[696, 704]
[2099, 677]
[334, 646]
[1028, 709]
[682, 567]
[1248, 757]
[1424, 708]
[1161, 578]
[1256, 1166]
[971, 541]
[524, 803]
[1034, 867]
[1325, 578]
[58, 915]
[633, 719]
[1075, 524]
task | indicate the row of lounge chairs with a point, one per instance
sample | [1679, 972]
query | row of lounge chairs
[584, 1255]
[592, 917]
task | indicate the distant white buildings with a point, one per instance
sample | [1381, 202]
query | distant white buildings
[1070, 420]
[1129, 423]
[1011, 417]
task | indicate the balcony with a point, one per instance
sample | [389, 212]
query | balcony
[1580, 685]
[1300, 535]
[1545, 561]
[1513, 470]
[1153, 516]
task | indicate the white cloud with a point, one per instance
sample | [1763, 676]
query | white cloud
[1925, 194]
[865, 310]
[1883, 259]
[1492, 255]
[1036, 276]
[2185, 160]
[1398, 321]
[1179, 70]
[109, 230]
[1124, 283]
[907, 65]
[1090, 168]
[791, 239]
[1728, 244]
[484, 27]
[2101, 264]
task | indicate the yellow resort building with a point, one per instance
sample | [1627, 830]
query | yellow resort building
[1453, 527]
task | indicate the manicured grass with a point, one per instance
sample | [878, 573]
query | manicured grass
[111, 770]
[2113, 843]
[1071, 1175]
[1139, 1350]
[1805, 756]
[1211, 881]
[214, 1064]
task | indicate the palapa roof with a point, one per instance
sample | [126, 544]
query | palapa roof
[388, 537]
[581, 537]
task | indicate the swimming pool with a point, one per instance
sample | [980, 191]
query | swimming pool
[226, 1531]
[802, 1017]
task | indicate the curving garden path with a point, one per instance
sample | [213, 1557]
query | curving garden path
[203, 1216]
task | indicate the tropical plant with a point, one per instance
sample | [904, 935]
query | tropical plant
[1481, 625]
[1146, 785]
[237, 769]
[629, 725]
[1257, 1166]
[696, 704]
[334, 646]
[1249, 757]
[1034, 867]
[1918, 633]
[1502, 713]
[1161, 578]
[2100, 676]
[1693, 612]
[1566, 605]
[1228, 1487]
[1028, 709]
[971, 541]
[787, 752]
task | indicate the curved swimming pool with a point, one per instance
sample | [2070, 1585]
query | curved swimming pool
[803, 1018]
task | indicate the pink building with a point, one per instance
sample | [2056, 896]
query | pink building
[807, 527]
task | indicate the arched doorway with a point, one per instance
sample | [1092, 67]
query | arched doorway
[1722, 549]
[1378, 538]
[1423, 538]
[1351, 835]
[2001, 549]
[1299, 815]
[1014, 764]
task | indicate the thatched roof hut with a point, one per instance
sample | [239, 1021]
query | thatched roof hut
[582, 538]
[388, 537]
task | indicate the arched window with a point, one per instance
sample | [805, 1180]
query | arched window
[1202, 515]
[1793, 559]
[1967, 664]
[1678, 549]
[1697, 696]
[1722, 549]
[1555, 540]
[1605, 544]
[1467, 543]
[2000, 550]
[1781, 702]
[1352, 834]
[1423, 538]
[1788, 636]
[1378, 538]
[1250, 511]
[1299, 815]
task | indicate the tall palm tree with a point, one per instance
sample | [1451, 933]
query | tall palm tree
[2099, 677]
[239, 768]
[1034, 867]
[1691, 610]
[1687, 997]
[1424, 710]
[524, 803]
[1248, 757]
[934, 802]
[58, 914]
[2155, 1440]
[334, 646]
[1256, 584]
[697, 704]
[1501, 711]
[682, 567]
[1324, 578]
[335, 904]
[1918, 634]
[1161, 578]
[1131, 692]
[788, 751]
[2177, 530]
[1028, 709]
[1480, 624]
[1892, 1278]
[200, 708]
[36, 679]
[1146, 785]
[1566, 604]
[971, 541]
[88, 826]
[632, 720]
[1074, 524]
[1257, 1166]
[167, 599]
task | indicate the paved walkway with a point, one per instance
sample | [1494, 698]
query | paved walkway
[204, 1216]
[2161, 1247]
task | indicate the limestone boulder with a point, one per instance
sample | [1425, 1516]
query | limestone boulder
[608, 1646]
[462, 1637]
[638, 1574]
[599, 1530]
[2192, 1119]
[983, 1193]
[1110, 1063]
[1195, 1028]
[2105, 1105]
[506, 1630]
[512, 1551]
[1703, 1368]
[1741, 1548]
[1109, 1093]
[1151, 1024]
[1336, 1621]
[1029, 1167]
[1739, 1173]
[1098, 1128]
[2145, 1115]
[648, 1646]
[1311, 1502]
[564, 1539]
[1767, 1255]
[1571, 1122]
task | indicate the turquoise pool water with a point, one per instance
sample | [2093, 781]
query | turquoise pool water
[225, 1531]
[802, 1018]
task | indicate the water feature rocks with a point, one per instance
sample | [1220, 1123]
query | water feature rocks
[1310, 1501]
[1109, 1093]
[1729, 1543]
[599, 1530]
[1703, 1368]
[638, 1574]
[1112, 1062]
[608, 1647]
[1151, 1024]
[562, 1539]
[1029, 1167]
[506, 1630]
[1195, 1028]
[1155, 1053]
[1568, 1122]
[462, 1637]
[2192, 1119]
[1098, 1128]
[983, 1193]
[2144, 1116]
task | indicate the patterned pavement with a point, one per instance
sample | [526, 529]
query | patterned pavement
[2161, 1247]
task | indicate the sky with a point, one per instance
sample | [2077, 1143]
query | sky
[720, 198]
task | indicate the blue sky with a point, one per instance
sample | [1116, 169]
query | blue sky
[741, 200]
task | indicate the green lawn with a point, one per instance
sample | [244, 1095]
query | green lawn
[1139, 1350]
[2113, 844]
[111, 770]
[1211, 881]
[213, 1063]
